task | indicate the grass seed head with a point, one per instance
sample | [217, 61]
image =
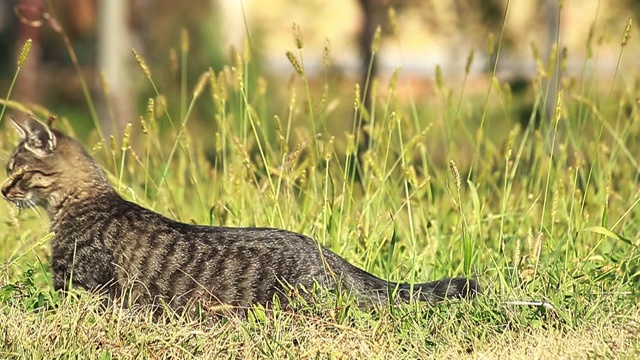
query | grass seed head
[455, 173]
[203, 80]
[410, 175]
[143, 125]
[351, 144]
[222, 85]
[356, 102]
[375, 43]
[150, 113]
[24, 53]
[516, 253]
[294, 62]
[328, 150]
[125, 137]
[558, 112]
[467, 67]
[627, 32]
[394, 121]
[326, 54]
[184, 41]
[114, 144]
[393, 20]
[509, 146]
[142, 64]
[297, 37]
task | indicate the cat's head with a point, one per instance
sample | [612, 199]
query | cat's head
[46, 167]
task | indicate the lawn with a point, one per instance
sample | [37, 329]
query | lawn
[540, 213]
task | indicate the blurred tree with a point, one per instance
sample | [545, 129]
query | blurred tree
[464, 22]
[374, 14]
[469, 14]
[114, 58]
[102, 33]
[26, 89]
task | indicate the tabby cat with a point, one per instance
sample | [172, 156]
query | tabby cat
[104, 243]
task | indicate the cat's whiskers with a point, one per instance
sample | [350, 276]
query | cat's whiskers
[33, 206]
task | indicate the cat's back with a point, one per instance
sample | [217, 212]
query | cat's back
[159, 258]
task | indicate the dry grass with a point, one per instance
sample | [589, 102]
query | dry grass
[81, 328]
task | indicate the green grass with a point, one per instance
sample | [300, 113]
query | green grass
[535, 214]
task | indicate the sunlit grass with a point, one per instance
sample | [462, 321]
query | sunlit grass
[544, 217]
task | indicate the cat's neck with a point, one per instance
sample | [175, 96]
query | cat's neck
[69, 203]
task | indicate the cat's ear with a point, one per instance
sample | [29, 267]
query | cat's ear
[39, 138]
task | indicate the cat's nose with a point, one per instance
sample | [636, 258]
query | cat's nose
[6, 187]
[11, 181]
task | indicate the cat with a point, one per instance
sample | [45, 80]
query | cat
[104, 243]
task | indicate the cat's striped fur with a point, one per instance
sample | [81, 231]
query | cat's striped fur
[103, 242]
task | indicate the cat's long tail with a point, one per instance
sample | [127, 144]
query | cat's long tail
[376, 290]
[436, 291]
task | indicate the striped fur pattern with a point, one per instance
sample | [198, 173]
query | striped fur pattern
[104, 243]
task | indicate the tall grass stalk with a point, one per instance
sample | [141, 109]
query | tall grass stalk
[53, 21]
[22, 58]
[480, 131]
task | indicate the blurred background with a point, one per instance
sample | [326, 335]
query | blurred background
[416, 37]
